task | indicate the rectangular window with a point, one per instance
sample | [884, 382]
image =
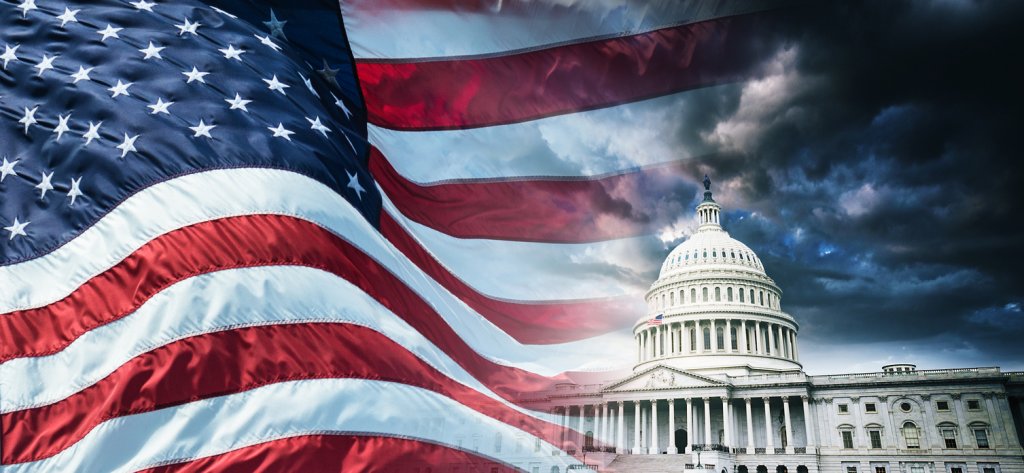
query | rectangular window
[973, 405]
[851, 469]
[981, 436]
[913, 437]
[870, 408]
[916, 468]
[956, 469]
[949, 437]
[942, 405]
[847, 439]
[876, 438]
[843, 408]
[880, 469]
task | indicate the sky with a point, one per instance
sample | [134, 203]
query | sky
[874, 163]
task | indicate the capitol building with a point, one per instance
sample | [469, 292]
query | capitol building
[718, 386]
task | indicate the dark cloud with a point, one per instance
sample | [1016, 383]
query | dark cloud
[875, 163]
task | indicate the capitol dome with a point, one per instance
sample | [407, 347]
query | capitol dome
[714, 309]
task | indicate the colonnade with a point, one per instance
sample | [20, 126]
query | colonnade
[610, 428]
[743, 337]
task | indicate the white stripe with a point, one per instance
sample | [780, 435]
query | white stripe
[374, 31]
[219, 425]
[249, 297]
[590, 143]
[524, 271]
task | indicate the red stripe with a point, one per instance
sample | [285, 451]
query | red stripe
[558, 210]
[539, 322]
[209, 365]
[485, 91]
[338, 453]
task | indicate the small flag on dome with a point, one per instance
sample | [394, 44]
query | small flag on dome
[656, 320]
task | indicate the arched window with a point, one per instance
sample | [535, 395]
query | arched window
[718, 294]
[732, 334]
[762, 297]
[705, 253]
[707, 338]
[733, 254]
[704, 294]
[693, 295]
[554, 469]
[762, 469]
[781, 469]
[672, 299]
[693, 339]
[728, 294]
[743, 469]
[714, 253]
[741, 295]
[751, 296]
[801, 469]
[911, 434]
[721, 337]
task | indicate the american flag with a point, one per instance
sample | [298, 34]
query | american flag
[656, 320]
[301, 236]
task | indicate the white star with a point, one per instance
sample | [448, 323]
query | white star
[353, 183]
[151, 51]
[274, 84]
[276, 26]
[202, 129]
[143, 5]
[232, 53]
[128, 145]
[109, 32]
[29, 118]
[92, 134]
[280, 131]
[120, 89]
[62, 126]
[44, 64]
[7, 169]
[222, 12]
[160, 107]
[266, 40]
[44, 185]
[341, 104]
[75, 191]
[188, 27]
[316, 125]
[238, 102]
[8, 54]
[309, 85]
[26, 6]
[195, 75]
[82, 74]
[17, 228]
[68, 16]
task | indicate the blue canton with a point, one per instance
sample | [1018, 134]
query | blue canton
[99, 100]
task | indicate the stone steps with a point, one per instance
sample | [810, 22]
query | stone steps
[649, 464]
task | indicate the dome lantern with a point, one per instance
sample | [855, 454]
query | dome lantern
[708, 211]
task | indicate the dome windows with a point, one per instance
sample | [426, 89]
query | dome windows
[704, 294]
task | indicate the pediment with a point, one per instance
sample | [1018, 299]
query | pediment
[664, 377]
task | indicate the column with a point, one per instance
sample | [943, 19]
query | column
[654, 428]
[582, 433]
[700, 336]
[598, 418]
[707, 421]
[750, 427]
[727, 440]
[608, 427]
[563, 426]
[636, 427]
[808, 427]
[789, 424]
[770, 443]
[657, 340]
[771, 340]
[742, 345]
[672, 427]
[620, 446]
[714, 336]
[728, 336]
[689, 426]
[796, 350]
[995, 421]
[758, 342]
[965, 431]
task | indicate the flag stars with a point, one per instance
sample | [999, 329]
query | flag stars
[143, 5]
[341, 104]
[17, 228]
[160, 107]
[27, 6]
[29, 118]
[76, 190]
[68, 16]
[274, 84]
[309, 85]
[45, 64]
[128, 145]
[222, 12]
[109, 32]
[195, 75]
[152, 51]
[318, 126]
[202, 129]
[9, 54]
[281, 132]
[232, 53]
[276, 26]
[353, 183]
[120, 89]
[238, 103]
[329, 75]
[82, 74]
[188, 27]
[266, 41]
[92, 134]
[7, 169]
[62, 126]
[44, 185]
